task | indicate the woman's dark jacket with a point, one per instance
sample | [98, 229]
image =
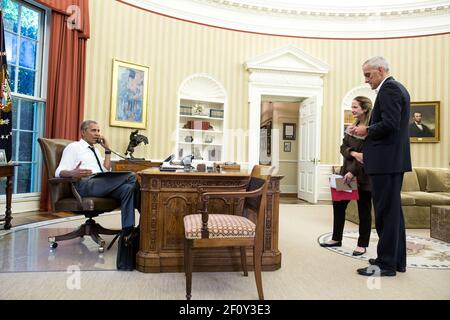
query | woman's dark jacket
[349, 144]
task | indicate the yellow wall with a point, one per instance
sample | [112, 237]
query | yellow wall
[175, 49]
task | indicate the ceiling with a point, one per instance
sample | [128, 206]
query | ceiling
[352, 19]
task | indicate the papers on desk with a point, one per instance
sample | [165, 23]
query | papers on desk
[167, 166]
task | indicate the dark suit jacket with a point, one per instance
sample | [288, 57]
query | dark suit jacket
[414, 131]
[386, 147]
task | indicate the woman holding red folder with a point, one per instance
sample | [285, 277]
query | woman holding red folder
[352, 168]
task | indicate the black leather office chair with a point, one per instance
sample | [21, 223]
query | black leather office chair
[64, 197]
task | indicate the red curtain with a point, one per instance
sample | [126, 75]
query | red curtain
[66, 74]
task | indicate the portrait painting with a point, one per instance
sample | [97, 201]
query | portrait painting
[424, 121]
[289, 131]
[129, 95]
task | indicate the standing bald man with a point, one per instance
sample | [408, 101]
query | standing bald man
[386, 157]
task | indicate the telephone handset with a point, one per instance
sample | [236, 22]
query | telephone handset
[99, 141]
[187, 160]
[169, 158]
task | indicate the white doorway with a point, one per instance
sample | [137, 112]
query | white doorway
[280, 115]
[289, 72]
[309, 152]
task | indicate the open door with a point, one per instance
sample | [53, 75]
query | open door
[308, 148]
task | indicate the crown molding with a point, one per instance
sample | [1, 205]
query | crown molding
[419, 18]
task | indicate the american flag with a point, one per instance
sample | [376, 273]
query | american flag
[5, 97]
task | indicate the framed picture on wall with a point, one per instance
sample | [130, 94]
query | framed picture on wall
[288, 131]
[287, 146]
[129, 95]
[424, 121]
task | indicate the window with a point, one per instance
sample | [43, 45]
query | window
[24, 34]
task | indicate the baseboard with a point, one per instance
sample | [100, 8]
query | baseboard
[288, 189]
[21, 204]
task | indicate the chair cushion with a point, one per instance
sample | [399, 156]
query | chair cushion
[410, 182]
[438, 180]
[422, 177]
[92, 203]
[445, 194]
[428, 198]
[407, 200]
[219, 226]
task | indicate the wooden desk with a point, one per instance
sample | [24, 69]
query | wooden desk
[166, 197]
[7, 170]
[134, 165]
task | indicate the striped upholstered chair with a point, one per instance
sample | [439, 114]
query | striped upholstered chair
[203, 230]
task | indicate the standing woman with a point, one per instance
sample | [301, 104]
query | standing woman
[351, 149]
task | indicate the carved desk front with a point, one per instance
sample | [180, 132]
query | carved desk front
[166, 197]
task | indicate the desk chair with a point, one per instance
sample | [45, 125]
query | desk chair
[203, 230]
[64, 197]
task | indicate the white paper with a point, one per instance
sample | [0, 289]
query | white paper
[333, 180]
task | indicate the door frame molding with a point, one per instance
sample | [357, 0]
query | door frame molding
[289, 72]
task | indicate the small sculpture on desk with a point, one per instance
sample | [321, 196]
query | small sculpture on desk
[135, 140]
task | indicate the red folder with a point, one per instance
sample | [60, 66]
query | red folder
[344, 195]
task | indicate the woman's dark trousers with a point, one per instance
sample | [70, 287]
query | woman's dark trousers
[365, 218]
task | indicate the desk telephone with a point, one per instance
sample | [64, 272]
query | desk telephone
[171, 165]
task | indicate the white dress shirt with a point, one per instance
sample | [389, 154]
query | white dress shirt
[379, 86]
[418, 126]
[79, 151]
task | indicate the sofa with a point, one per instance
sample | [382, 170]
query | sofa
[421, 189]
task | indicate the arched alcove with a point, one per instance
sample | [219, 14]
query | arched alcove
[201, 121]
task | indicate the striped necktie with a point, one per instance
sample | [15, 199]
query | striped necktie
[96, 158]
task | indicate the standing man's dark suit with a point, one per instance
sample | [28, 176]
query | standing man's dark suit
[387, 156]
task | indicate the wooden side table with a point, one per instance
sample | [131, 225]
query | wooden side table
[7, 170]
[440, 223]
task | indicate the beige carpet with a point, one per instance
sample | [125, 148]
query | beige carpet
[307, 272]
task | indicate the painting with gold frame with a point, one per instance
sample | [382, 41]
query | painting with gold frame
[129, 95]
[424, 121]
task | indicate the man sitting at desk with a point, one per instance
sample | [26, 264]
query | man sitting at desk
[81, 159]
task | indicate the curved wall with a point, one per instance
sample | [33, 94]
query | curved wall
[175, 49]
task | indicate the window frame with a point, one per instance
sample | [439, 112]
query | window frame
[40, 92]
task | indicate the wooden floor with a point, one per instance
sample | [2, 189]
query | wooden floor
[38, 216]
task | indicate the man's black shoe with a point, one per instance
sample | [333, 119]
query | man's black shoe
[377, 272]
[328, 245]
[399, 269]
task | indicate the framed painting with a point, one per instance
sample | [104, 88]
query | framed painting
[424, 121]
[129, 95]
[287, 146]
[289, 131]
